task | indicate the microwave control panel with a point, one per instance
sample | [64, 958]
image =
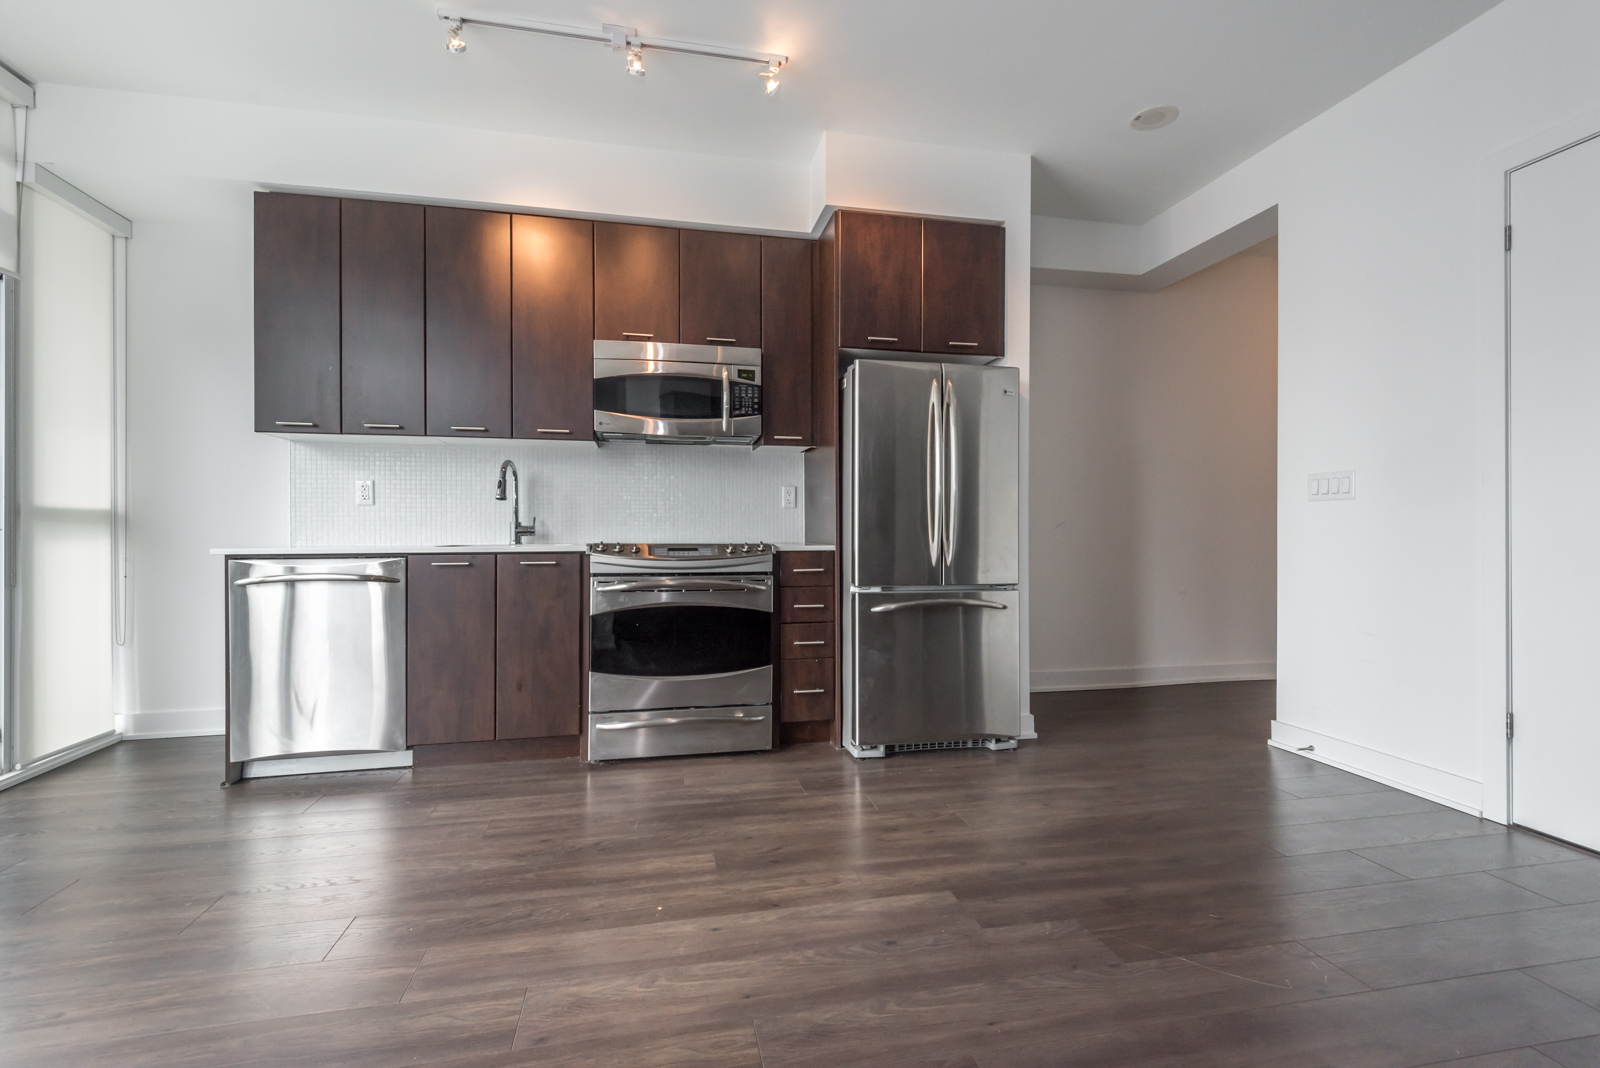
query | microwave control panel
[746, 399]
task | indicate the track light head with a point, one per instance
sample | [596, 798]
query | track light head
[771, 76]
[636, 61]
[452, 38]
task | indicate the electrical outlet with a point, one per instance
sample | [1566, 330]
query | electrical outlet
[364, 493]
[790, 497]
[1331, 486]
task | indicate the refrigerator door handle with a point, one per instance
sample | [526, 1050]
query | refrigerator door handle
[933, 473]
[974, 602]
[952, 474]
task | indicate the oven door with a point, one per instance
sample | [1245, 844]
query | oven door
[660, 642]
[659, 400]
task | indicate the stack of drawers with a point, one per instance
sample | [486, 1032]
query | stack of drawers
[806, 629]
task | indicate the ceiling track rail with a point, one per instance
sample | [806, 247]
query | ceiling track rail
[615, 37]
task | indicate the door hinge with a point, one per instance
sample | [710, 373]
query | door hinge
[1511, 724]
[1508, 237]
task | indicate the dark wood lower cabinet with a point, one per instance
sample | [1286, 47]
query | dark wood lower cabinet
[808, 673]
[450, 649]
[538, 645]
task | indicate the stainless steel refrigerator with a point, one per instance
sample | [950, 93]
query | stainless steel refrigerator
[929, 507]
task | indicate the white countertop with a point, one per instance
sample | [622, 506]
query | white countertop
[423, 550]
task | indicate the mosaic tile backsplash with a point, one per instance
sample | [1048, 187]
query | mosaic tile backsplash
[442, 493]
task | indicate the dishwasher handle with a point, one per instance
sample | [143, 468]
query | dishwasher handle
[308, 576]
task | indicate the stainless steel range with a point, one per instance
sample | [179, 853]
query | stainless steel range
[680, 649]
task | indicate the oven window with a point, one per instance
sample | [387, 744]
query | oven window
[660, 396]
[663, 640]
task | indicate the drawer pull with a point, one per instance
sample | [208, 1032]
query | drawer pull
[478, 428]
[871, 338]
[808, 691]
[281, 422]
[381, 426]
[630, 333]
[794, 643]
[451, 563]
[963, 344]
[724, 340]
[538, 563]
[810, 606]
[802, 570]
[786, 437]
[547, 430]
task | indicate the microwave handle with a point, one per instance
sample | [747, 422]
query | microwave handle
[727, 403]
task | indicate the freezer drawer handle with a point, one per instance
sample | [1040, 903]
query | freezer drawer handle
[310, 577]
[667, 721]
[808, 691]
[895, 606]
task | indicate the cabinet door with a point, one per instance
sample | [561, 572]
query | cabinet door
[449, 649]
[635, 283]
[880, 281]
[538, 653]
[381, 301]
[297, 313]
[719, 288]
[469, 323]
[785, 341]
[963, 288]
[552, 328]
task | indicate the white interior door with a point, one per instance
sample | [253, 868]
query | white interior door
[1554, 497]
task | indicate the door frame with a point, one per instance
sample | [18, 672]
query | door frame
[1497, 718]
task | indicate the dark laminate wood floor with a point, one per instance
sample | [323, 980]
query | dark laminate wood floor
[1148, 884]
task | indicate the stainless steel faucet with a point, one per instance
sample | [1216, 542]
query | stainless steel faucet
[517, 529]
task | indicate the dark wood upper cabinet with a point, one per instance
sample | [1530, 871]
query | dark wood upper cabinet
[297, 313]
[635, 283]
[552, 329]
[963, 288]
[382, 303]
[538, 645]
[719, 288]
[469, 323]
[450, 649]
[786, 341]
[880, 281]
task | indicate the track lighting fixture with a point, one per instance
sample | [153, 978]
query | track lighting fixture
[619, 38]
[452, 37]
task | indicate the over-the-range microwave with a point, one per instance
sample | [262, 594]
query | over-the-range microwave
[689, 394]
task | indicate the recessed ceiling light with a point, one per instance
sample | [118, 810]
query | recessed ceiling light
[1155, 118]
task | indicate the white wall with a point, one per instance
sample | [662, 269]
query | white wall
[8, 189]
[1154, 485]
[1391, 609]
[183, 170]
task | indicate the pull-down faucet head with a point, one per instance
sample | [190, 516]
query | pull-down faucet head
[517, 529]
[500, 487]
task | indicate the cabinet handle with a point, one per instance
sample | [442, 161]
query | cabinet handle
[469, 428]
[801, 570]
[810, 606]
[283, 423]
[796, 643]
[786, 437]
[725, 340]
[871, 338]
[808, 691]
[450, 563]
[963, 344]
[381, 426]
[538, 563]
[630, 333]
[548, 430]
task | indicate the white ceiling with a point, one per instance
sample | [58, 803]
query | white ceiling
[1058, 79]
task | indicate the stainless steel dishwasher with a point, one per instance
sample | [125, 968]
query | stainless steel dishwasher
[316, 665]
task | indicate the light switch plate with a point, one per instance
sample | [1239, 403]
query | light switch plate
[364, 493]
[1331, 486]
[789, 497]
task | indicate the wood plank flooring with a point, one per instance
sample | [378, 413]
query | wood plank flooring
[1147, 884]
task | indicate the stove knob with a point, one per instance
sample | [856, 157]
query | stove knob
[727, 548]
[633, 549]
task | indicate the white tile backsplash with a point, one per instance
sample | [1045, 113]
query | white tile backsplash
[441, 493]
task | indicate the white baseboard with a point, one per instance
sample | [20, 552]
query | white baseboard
[1445, 787]
[184, 723]
[1173, 675]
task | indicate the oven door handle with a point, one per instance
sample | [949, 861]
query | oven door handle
[668, 721]
[700, 586]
